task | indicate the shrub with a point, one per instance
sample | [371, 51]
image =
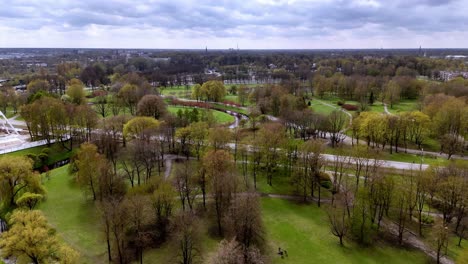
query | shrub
[326, 184]
[231, 103]
[324, 176]
[340, 103]
[427, 219]
[350, 107]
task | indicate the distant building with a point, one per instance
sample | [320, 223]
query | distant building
[456, 57]
[162, 59]
[450, 75]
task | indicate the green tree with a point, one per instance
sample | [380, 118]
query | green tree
[17, 178]
[30, 239]
[88, 163]
[196, 92]
[392, 93]
[213, 91]
[140, 127]
[29, 200]
[76, 92]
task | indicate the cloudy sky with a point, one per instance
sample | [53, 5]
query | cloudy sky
[254, 24]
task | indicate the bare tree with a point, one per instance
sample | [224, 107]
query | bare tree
[244, 222]
[339, 217]
[185, 183]
[187, 238]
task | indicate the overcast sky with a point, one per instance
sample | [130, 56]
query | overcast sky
[252, 24]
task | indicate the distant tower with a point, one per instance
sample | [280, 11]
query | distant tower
[420, 51]
[206, 49]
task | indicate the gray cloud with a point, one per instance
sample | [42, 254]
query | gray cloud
[238, 19]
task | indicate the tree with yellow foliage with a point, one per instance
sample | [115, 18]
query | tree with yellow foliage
[30, 239]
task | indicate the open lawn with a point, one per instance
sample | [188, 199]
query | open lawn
[74, 217]
[177, 91]
[458, 254]
[220, 117]
[321, 108]
[299, 228]
[304, 232]
[401, 106]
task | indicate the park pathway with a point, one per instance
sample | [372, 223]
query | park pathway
[385, 107]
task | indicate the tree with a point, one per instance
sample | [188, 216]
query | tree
[219, 137]
[38, 85]
[196, 92]
[31, 239]
[271, 138]
[198, 133]
[339, 217]
[244, 222]
[29, 200]
[401, 207]
[213, 91]
[76, 92]
[185, 183]
[392, 93]
[336, 122]
[88, 163]
[17, 178]
[230, 252]
[242, 94]
[116, 215]
[440, 238]
[219, 169]
[187, 238]
[451, 144]
[162, 201]
[137, 208]
[151, 105]
[101, 103]
[140, 127]
[129, 97]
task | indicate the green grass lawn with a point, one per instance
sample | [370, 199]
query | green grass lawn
[304, 232]
[73, 216]
[322, 109]
[220, 117]
[177, 91]
[458, 254]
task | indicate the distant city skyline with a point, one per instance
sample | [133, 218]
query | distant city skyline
[259, 24]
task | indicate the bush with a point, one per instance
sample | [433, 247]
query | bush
[350, 107]
[326, 184]
[340, 103]
[427, 219]
[231, 103]
[324, 176]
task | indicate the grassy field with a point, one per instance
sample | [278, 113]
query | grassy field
[402, 106]
[300, 229]
[321, 108]
[458, 254]
[221, 117]
[73, 216]
[304, 232]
